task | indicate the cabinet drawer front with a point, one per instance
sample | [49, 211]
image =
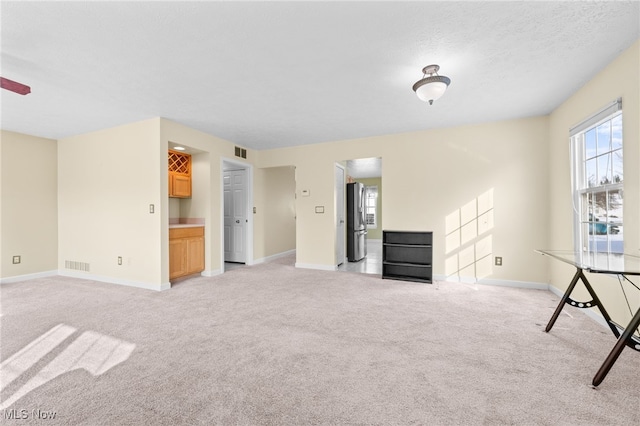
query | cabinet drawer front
[197, 231]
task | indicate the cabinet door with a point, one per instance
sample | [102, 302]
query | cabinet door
[180, 186]
[195, 254]
[177, 258]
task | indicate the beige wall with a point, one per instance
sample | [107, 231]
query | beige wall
[106, 182]
[206, 198]
[431, 176]
[29, 211]
[174, 208]
[508, 180]
[197, 205]
[314, 172]
[275, 223]
[618, 79]
[375, 234]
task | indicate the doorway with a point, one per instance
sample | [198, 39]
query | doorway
[236, 218]
[234, 185]
[367, 171]
[340, 211]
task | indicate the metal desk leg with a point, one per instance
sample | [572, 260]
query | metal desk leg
[564, 299]
[623, 340]
[595, 302]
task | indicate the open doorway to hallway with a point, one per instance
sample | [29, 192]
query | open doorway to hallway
[275, 215]
[271, 211]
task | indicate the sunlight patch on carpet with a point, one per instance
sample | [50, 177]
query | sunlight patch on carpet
[91, 351]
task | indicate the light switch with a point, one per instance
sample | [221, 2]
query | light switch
[152, 208]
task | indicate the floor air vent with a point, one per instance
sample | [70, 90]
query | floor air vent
[78, 266]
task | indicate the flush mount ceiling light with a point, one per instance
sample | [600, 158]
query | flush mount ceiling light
[431, 87]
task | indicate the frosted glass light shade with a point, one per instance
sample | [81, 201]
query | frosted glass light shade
[431, 91]
[432, 86]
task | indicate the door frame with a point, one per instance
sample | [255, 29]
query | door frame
[249, 234]
[335, 226]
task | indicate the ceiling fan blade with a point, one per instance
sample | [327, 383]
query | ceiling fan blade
[14, 86]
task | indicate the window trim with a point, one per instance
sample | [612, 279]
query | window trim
[375, 211]
[577, 151]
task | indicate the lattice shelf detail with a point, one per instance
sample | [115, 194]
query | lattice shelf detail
[179, 163]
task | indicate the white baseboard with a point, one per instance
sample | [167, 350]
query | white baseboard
[273, 257]
[211, 273]
[319, 267]
[591, 313]
[112, 280]
[494, 282]
[516, 284]
[556, 291]
[26, 277]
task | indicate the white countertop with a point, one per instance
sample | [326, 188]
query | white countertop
[185, 225]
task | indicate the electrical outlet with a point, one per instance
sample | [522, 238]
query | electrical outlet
[119, 260]
[16, 260]
[498, 261]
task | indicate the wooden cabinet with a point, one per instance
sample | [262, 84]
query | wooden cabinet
[407, 255]
[179, 174]
[195, 254]
[177, 258]
[186, 251]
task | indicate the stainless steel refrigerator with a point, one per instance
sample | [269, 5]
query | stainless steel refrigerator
[356, 222]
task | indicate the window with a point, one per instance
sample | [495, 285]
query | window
[598, 181]
[371, 194]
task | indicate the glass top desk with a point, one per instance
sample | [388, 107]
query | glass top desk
[600, 263]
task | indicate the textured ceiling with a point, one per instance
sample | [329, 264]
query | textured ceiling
[275, 74]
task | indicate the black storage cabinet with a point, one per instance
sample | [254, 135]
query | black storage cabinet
[407, 255]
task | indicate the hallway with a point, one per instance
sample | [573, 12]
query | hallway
[371, 264]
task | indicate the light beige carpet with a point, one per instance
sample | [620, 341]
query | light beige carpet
[272, 344]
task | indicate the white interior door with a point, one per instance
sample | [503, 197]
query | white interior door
[235, 211]
[340, 213]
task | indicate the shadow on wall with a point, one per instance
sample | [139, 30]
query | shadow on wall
[469, 244]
